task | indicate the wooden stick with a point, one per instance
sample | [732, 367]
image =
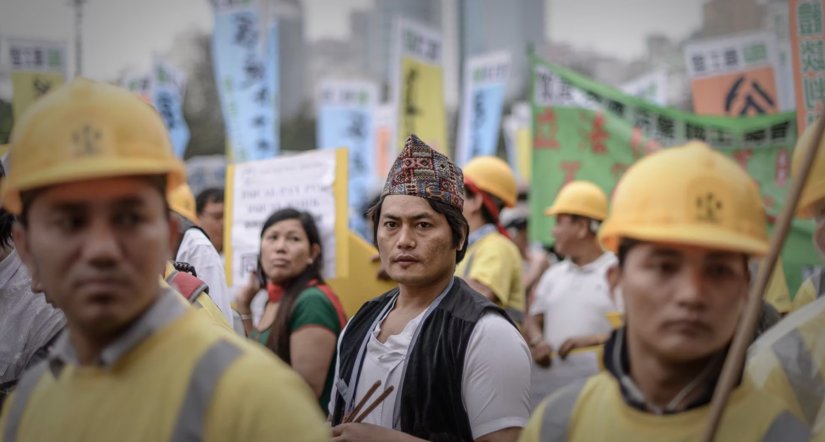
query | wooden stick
[735, 360]
[357, 409]
[375, 404]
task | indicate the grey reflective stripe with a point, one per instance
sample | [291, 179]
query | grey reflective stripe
[787, 428]
[22, 394]
[820, 288]
[557, 412]
[205, 376]
[802, 373]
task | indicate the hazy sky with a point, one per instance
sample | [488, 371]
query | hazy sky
[122, 33]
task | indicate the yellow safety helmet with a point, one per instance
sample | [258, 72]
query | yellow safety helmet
[581, 198]
[689, 195]
[814, 189]
[87, 130]
[182, 200]
[494, 176]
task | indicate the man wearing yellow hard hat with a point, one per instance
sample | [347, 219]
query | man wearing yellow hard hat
[194, 247]
[789, 360]
[492, 264]
[683, 223]
[572, 299]
[91, 168]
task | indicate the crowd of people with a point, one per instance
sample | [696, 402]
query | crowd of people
[117, 322]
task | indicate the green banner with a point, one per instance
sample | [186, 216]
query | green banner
[590, 131]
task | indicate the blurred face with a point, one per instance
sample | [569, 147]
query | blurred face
[682, 303]
[567, 233]
[415, 242]
[211, 221]
[98, 248]
[286, 251]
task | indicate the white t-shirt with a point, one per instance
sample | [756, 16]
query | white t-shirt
[196, 249]
[574, 300]
[495, 387]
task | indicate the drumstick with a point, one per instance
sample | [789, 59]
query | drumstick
[375, 404]
[354, 412]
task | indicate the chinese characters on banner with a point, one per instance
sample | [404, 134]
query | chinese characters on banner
[585, 130]
[651, 87]
[167, 92]
[345, 119]
[36, 68]
[734, 75]
[485, 83]
[418, 85]
[808, 54]
[245, 53]
[163, 89]
[313, 182]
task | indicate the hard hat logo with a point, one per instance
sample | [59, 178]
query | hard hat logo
[86, 141]
[708, 208]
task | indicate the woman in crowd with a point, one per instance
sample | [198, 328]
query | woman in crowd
[302, 317]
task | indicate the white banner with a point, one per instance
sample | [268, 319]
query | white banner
[259, 188]
[651, 87]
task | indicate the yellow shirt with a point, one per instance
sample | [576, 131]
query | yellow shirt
[777, 293]
[495, 261]
[788, 362]
[165, 377]
[810, 289]
[596, 412]
[205, 305]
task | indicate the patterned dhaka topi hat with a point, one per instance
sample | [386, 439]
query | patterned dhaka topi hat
[423, 172]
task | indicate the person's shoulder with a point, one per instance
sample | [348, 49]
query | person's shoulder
[498, 241]
[807, 321]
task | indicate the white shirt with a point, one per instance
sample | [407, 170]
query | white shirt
[574, 300]
[196, 249]
[495, 387]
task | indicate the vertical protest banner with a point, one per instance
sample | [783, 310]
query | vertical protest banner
[778, 23]
[808, 55]
[518, 140]
[37, 66]
[586, 130]
[418, 84]
[314, 182]
[485, 85]
[734, 76]
[385, 150]
[244, 50]
[651, 86]
[345, 119]
[168, 84]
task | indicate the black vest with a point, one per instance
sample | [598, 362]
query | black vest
[431, 404]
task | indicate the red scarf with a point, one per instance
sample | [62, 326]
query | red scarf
[488, 203]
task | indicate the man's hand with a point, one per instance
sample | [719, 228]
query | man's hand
[541, 353]
[367, 433]
[580, 342]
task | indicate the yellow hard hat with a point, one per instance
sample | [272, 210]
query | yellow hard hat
[182, 200]
[814, 189]
[580, 198]
[494, 176]
[689, 195]
[87, 130]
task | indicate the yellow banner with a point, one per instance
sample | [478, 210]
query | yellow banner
[421, 104]
[362, 284]
[29, 86]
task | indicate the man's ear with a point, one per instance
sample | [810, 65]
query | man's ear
[175, 235]
[614, 276]
[21, 244]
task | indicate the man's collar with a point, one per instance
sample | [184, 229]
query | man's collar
[165, 309]
[616, 361]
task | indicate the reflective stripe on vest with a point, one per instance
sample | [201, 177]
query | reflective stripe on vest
[205, 376]
[22, 394]
[805, 380]
[786, 428]
[557, 413]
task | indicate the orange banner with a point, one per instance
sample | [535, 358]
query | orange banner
[746, 93]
